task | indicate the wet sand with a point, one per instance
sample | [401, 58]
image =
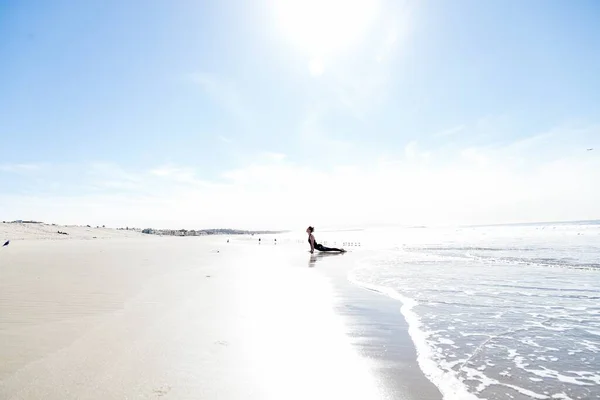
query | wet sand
[173, 318]
[378, 332]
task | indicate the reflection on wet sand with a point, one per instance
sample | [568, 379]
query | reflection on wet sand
[312, 261]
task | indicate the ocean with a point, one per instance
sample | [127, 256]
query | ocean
[496, 312]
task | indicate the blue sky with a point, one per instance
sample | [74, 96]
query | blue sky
[276, 114]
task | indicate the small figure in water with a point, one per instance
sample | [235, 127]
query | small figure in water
[314, 245]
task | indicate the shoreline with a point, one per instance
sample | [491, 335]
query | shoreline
[380, 331]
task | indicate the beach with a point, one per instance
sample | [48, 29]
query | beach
[507, 312]
[142, 317]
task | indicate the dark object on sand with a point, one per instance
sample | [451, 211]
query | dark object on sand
[6, 243]
[62, 233]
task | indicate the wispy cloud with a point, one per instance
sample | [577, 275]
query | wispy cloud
[312, 131]
[225, 139]
[223, 92]
[450, 131]
[104, 176]
[20, 168]
[275, 156]
[107, 170]
[475, 155]
[177, 174]
[414, 154]
[554, 144]
[529, 179]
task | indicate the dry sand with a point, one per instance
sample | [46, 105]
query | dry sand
[40, 231]
[172, 318]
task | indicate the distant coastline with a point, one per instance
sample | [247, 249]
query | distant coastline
[148, 231]
[203, 232]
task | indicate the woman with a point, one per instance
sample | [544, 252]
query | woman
[314, 245]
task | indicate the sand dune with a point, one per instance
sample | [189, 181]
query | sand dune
[40, 231]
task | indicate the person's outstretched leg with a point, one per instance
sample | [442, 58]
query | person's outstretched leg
[320, 247]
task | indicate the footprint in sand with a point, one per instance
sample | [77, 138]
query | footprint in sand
[163, 390]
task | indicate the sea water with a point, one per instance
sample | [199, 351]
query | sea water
[501, 312]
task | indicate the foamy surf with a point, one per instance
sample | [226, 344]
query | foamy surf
[448, 384]
[499, 312]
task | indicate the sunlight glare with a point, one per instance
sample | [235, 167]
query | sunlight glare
[322, 28]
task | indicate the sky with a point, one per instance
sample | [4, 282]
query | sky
[274, 114]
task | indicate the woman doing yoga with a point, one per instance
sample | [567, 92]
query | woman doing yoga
[314, 245]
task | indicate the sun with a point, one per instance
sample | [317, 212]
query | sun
[324, 28]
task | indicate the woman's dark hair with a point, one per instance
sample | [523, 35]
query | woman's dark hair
[311, 229]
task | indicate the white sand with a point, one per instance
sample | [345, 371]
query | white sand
[163, 317]
[27, 231]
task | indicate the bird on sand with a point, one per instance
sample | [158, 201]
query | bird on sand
[6, 244]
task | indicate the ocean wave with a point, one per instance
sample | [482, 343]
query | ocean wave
[447, 383]
[474, 324]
